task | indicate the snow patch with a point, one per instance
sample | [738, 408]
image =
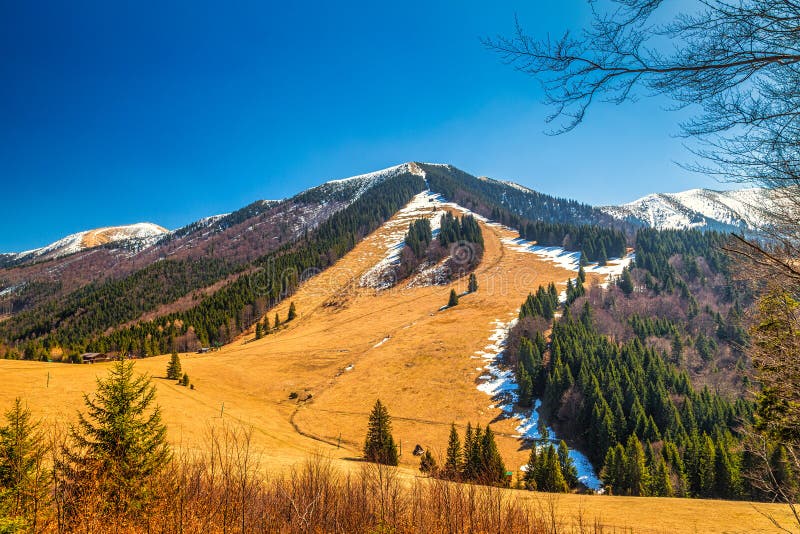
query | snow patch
[499, 383]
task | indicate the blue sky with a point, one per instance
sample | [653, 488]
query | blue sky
[114, 113]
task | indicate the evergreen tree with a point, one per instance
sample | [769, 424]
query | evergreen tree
[174, 367]
[492, 468]
[292, 312]
[453, 298]
[660, 484]
[530, 470]
[23, 476]
[379, 445]
[185, 380]
[626, 282]
[120, 439]
[472, 287]
[427, 463]
[259, 331]
[548, 472]
[568, 468]
[637, 476]
[452, 465]
[277, 321]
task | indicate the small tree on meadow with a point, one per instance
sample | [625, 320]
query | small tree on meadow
[472, 287]
[174, 371]
[185, 380]
[453, 298]
[292, 312]
[427, 463]
[380, 446]
[277, 321]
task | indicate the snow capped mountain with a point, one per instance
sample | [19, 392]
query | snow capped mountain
[350, 189]
[142, 234]
[739, 210]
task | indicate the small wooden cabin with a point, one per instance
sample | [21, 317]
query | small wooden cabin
[94, 357]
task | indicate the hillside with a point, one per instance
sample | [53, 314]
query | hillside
[706, 209]
[352, 343]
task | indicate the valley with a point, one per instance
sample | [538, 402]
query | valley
[308, 387]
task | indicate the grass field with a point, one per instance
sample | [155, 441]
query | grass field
[351, 345]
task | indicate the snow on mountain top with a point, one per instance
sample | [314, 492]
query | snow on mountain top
[93, 238]
[698, 208]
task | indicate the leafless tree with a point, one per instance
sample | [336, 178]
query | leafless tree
[735, 65]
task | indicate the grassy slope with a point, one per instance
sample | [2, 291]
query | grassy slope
[424, 374]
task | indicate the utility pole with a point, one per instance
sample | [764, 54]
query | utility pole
[48, 379]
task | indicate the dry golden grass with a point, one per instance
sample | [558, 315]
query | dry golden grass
[424, 372]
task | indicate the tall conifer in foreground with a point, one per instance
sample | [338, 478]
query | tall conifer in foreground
[23, 476]
[380, 446]
[120, 442]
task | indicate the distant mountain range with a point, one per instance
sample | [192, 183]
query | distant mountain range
[726, 211]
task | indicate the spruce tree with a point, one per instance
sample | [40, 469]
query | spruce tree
[472, 287]
[174, 367]
[660, 483]
[185, 380]
[453, 298]
[120, 442]
[637, 476]
[452, 465]
[492, 468]
[379, 446]
[277, 321]
[548, 472]
[530, 470]
[427, 463]
[568, 468]
[23, 476]
[259, 332]
[292, 312]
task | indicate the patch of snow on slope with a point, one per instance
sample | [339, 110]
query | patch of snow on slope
[569, 260]
[498, 382]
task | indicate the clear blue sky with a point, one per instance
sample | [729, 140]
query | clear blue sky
[120, 112]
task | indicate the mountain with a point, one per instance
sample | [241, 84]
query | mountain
[141, 234]
[726, 211]
[215, 275]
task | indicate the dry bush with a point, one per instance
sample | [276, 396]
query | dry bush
[225, 490]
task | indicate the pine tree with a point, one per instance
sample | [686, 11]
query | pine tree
[259, 332]
[530, 470]
[277, 321]
[120, 439]
[568, 468]
[548, 472]
[492, 468]
[23, 476]
[452, 465]
[174, 367]
[660, 484]
[472, 287]
[379, 445]
[453, 298]
[292, 312]
[185, 380]
[427, 463]
[626, 282]
[637, 476]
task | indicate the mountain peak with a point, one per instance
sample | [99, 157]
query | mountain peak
[734, 210]
[88, 239]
